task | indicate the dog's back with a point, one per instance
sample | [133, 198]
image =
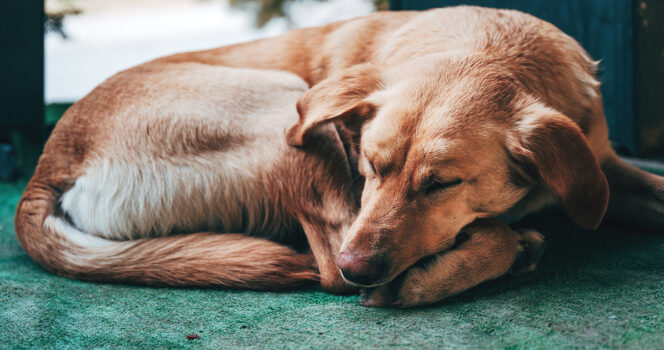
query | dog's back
[185, 148]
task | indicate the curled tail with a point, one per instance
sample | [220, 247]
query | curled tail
[199, 259]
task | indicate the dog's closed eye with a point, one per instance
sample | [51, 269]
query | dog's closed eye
[373, 168]
[436, 186]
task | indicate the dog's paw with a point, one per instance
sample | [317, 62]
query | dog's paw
[421, 286]
[411, 289]
[531, 248]
[377, 297]
[335, 284]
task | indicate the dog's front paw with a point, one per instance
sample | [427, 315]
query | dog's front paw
[410, 289]
[377, 296]
[419, 286]
[531, 248]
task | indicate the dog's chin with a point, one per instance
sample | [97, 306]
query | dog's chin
[373, 285]
[380, 282]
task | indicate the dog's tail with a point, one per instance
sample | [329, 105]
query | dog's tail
[200, 259]
[636, 196]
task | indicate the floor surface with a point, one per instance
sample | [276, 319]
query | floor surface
[602, 289]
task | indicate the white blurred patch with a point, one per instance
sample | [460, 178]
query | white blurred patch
[106, 39]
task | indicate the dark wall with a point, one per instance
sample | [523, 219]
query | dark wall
[21, 64]
[604, 28]
[649, 76]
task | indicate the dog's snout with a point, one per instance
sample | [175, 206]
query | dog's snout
[359, 269]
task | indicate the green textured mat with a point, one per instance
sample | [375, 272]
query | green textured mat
[592, 289]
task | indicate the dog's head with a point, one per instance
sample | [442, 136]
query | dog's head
[441, 144]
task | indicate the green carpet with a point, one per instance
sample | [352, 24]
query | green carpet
[592, 290]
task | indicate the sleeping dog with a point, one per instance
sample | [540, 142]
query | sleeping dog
[387, 153]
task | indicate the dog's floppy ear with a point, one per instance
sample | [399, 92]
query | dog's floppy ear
[337, 98]
[555, 146]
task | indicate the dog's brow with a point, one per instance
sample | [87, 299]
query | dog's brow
[430, 168]
[382, 162]
[422, 174]
[436, 148]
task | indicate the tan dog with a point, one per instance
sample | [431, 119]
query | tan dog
[459, 119]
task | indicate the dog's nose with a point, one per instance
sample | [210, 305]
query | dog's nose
[360, 269]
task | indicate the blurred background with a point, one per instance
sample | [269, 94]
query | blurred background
[53, 52]
[89, 40]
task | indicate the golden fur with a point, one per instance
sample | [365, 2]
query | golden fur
[458, 119]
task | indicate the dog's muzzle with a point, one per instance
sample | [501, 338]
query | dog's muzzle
[360, 270]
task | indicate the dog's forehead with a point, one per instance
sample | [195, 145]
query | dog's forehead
[396, 135]
[470, 89]
[437, 121]
[386, 137]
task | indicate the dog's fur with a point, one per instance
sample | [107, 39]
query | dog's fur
[458, 120]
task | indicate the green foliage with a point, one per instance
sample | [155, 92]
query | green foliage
[381, 5]
[266, 10]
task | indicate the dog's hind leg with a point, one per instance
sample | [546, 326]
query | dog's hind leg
[490, 250]
[197, 259]
[636, 197]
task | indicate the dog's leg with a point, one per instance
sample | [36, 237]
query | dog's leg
[325, 242]
[637, 197]
[490, 249]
